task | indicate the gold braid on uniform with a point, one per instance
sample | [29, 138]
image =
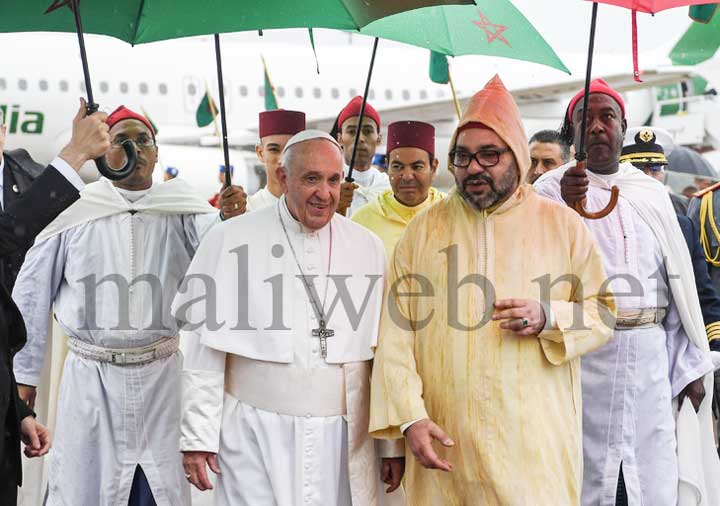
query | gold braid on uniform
[713, 331]
[706, 216]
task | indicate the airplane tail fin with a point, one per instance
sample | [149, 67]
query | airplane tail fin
[699, 43]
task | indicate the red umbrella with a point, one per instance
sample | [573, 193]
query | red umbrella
[651, 7]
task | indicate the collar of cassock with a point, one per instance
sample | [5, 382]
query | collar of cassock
[291, 223]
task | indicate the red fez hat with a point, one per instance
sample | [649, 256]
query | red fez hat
[281, 122]
[411, 134]
[353, 109]
[122, 113]
[596, 86]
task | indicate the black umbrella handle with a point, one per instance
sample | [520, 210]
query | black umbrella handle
[92, 107]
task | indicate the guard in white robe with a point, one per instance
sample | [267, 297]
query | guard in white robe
[110, 265]
[289, 426]
[275, 129]
[631, 441]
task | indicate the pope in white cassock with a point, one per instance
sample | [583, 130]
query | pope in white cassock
[282, 308]
[110, 265]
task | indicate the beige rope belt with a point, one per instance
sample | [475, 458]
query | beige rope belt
[165, 347]
[639, 318]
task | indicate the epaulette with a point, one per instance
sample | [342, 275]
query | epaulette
[706, 190]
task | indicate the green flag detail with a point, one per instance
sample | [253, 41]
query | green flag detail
[699, 43]
[271, 102]
[206, 111]
[439, 70]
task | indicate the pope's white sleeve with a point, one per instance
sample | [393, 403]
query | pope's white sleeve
[34, 293]
[203, 383]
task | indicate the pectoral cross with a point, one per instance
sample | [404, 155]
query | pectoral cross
[323, 333]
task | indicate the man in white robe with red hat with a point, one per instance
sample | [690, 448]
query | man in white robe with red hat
[368, 182]
[275, 129]
[110, 266]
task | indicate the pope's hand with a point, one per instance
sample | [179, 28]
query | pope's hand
[525, 317]
[574, 185]
[346, 196]
[35, 436]
[391, 472]
[419, 437]
[27, 394]
[233, 201]
[195, 464]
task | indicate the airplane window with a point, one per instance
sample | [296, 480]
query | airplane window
[143, 88]
[299, 92]
[353, 92]
[64, 86]
[22, 84]
[406, 94]
[162, 88]
[281, 91]
[335, 93]
[440, 94]
[43, 84]
[371, 95]
[423, 94]
[3, 84]
[104, 87]
[388, 94]
[243, 91]
[261, 91]
[191, 89]
[317, 92]
[124, 88]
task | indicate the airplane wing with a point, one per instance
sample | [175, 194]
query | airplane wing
[444, 110]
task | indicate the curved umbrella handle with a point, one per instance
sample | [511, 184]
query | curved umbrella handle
[596, 215]
[130, 153]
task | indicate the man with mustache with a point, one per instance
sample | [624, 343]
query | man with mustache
[411, 167]
[111, 264]
[369, 182]
[276, 384]
[479, 344]
[660, 351]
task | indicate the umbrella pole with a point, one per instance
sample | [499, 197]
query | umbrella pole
[91, 107]
[223, 122]
[581, 155]
[349, 177]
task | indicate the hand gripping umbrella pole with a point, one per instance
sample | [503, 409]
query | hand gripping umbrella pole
[581, 155]
[128, 145]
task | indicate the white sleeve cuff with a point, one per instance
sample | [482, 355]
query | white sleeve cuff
[70, 174]
[407, 425]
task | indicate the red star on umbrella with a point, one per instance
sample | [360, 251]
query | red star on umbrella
[57, 4]
[488, 28]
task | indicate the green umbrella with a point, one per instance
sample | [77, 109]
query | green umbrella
[139, 21]
[491, 28]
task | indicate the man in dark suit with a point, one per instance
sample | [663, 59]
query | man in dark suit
[21, 220]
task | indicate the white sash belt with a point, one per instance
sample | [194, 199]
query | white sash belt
[639, 318]
[162, 348]
[286, 389]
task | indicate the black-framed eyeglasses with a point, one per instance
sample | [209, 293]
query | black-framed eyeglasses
[485, 157]
[143, 142]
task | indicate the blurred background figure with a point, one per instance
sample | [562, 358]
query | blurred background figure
[647, 149]
[548, 151]
[215, 199]
[170, 173]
